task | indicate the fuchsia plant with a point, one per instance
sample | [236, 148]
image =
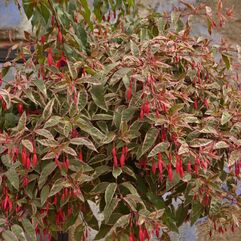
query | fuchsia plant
[121, 115]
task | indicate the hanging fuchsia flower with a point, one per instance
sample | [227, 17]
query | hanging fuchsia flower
[20, 108]
[237, 168]
[131, 237]
[205, 102]
[60, 36]
[129, 92]
[43, 39]
[153, 167]
[169, 170]
[160, 165]
[57, 162]
[25, 181]
[24, 156]
[195, 104]
[35, 159]
[142, 114]
[122, 160]
[163, 135]
[145, 109]
[50, 57]
[62, 62]
[80, 155]
[141, 234]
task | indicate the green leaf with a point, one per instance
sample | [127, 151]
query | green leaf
[79, 231]
[226, 117]
[47, 112]
[19, 232]
[161, 147]
[28, 6]
[90, 129]
[181, 214]
[100, 188]
[234, 156]
[28, 144]
[149, 140]
[127, 114]
[130, 187]
[21, 123]
[48, 143]
[13, 177]
[221, 145]
[44, 11]
[41, 86]
[80, 37]
[121, 222]
[116, 172]
[9, 236]
[134, 48]
[90, 217]
[67, 128]
[97, 93]
[226, 60]
[104, 229]
[57, 187]
[83, 141]
[70, 151]
[53, 121]
[29, 229]
[10, 121]
[109, 209]
[129, 171]
[2, 221]
[157, 201]
[197, 210]
[83, 99]
[45, 133]
[47, 170]
[86, 13]
[174, 109]
[44, 194]
[110, 192]
[200, 142]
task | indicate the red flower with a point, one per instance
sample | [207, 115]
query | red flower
[153, 168]
[169, 170]
[114, 154]
[141, 234]
[24, 156]
[20, 108]
[160, 165]
[43, 39]
[131, 237]
[60, 36]
[142, 114]
[25, 181]
[62, 62]
[50, 58]
[195, 104]
[205, 102]
[81, 156]
[122, 160]
[35, 159]
[129, 92]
